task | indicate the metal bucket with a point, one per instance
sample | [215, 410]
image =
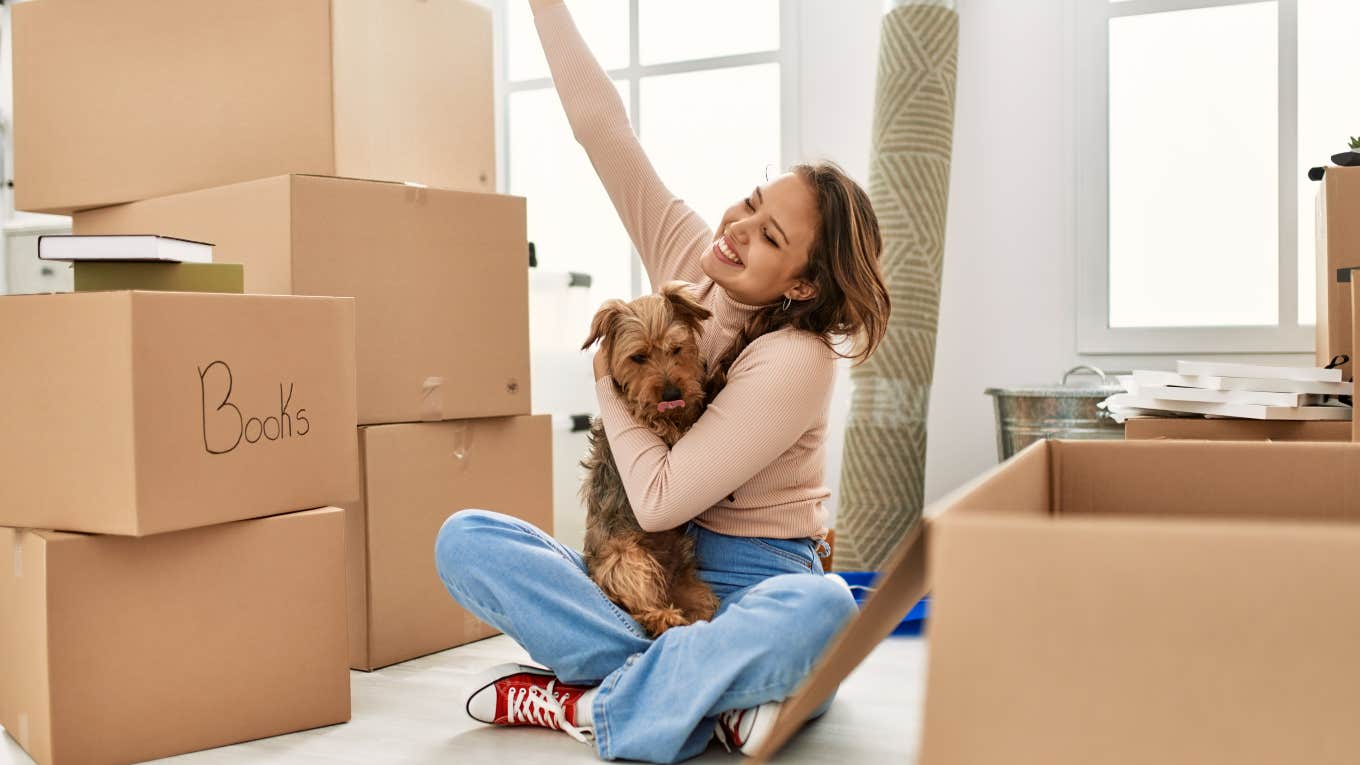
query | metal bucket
[1025, 415]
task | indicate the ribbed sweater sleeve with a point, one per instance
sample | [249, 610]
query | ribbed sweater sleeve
[776, 391]
[668, 234]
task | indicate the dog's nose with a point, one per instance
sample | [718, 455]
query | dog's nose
[671, 393]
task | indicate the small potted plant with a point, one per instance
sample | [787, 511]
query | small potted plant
[1354, 143]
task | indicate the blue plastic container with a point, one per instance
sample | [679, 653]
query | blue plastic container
[861, 586]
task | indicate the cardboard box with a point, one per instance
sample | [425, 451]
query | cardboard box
[116, 102]
[443, 327]
[120, 650]
[142, 412]
[1338, 250]
[415, 476]
[1355, 332]
[103, 276]
[1143, 602]
[1219, 429]
[1130, 602]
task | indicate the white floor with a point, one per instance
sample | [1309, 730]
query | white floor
[410, 714]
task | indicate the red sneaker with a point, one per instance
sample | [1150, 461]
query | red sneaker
[746, 729]
[518, 694]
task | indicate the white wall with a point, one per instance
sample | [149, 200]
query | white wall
[1008, 309]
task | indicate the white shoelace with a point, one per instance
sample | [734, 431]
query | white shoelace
[541, 707]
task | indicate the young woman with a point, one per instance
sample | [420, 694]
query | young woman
[791, 269]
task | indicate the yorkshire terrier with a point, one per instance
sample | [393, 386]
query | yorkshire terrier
[652, 348]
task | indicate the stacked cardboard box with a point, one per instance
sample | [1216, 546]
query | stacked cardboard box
[1338, 251]
[332, 147]
[211, 443]
[187, 435]
[443, 366]
[118, 102]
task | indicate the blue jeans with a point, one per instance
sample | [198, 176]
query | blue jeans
[658, 699]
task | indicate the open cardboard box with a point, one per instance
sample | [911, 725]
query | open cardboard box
[1132, 602]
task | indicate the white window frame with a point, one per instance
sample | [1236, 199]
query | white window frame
[1094, 334]
[789, 84]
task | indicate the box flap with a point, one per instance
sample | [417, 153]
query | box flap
[1020, 484]
[902, 584]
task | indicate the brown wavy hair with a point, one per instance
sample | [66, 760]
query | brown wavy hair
[843, 263]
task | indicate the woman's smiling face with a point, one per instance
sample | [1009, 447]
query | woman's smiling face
[762, 245]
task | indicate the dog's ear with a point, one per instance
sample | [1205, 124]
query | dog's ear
[602, 326]
[683, 304]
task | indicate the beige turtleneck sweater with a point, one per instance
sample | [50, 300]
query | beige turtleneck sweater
[753, 464]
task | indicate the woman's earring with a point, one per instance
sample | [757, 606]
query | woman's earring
[786, 304]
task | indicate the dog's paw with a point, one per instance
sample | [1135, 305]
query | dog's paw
[658, 620]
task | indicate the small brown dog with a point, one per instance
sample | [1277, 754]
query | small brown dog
[652, 348]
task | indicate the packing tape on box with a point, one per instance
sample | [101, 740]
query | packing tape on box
[432, 399]
[18, 554]
[462, 445]
[23, 730]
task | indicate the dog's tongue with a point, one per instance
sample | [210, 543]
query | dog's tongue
[666, 406]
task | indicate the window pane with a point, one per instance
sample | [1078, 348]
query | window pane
[713, 135]
[603, 24]
[676, 30]
[1328, 115]
[571, 222]
[1193, 161]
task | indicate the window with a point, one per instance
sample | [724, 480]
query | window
[674, 68]
[1197, 123]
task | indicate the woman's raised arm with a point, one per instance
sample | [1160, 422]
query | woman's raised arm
[666, 232]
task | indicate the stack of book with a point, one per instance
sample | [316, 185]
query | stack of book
[1248, 391]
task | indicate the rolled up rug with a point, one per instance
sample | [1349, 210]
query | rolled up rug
[882, 484]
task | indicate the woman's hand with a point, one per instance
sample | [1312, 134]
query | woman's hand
[538, 5]
[601, 363]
